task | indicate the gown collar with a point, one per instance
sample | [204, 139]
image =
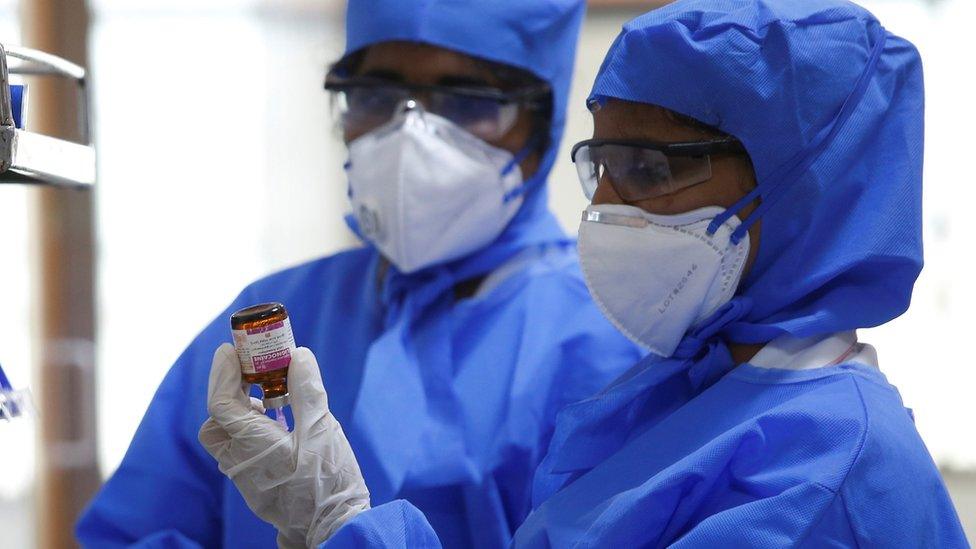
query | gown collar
[793, 353]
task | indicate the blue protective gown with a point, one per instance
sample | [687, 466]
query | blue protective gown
[827, 457]
[525, 349]
[448, 403]
[694, 450]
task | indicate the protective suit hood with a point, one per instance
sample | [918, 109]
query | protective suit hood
[830, 107]
[537, 36]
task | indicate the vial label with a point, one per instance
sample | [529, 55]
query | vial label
[265, 348]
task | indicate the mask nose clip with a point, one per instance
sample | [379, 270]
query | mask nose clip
[410, 108]
[410, 105]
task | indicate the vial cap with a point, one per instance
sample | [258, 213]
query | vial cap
[275, 402]
[257, 312]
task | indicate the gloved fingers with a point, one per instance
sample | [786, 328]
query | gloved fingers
[348, 498]
[309, 401]
[213, 437]
[227, 404]
[262, 444]
[291, 538]
[268, 453]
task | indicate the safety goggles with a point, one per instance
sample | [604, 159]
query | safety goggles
[364, 104]
[639, 170]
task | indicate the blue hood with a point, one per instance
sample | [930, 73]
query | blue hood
[830, 107]
[539, 36]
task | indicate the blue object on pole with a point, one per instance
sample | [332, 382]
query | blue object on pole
[18, 104]
[12, 402]
[4, 382]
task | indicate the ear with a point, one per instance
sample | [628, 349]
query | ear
[746, 174]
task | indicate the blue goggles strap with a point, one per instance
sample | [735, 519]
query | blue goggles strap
[521, 155]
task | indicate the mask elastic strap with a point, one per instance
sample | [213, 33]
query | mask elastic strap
[521, 155]
[802, 161]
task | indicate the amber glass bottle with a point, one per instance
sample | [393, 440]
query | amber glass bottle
[264, 342]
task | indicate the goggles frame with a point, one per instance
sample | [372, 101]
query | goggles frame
[695, 159]
[533, 98]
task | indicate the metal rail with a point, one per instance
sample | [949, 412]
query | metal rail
[29, 157]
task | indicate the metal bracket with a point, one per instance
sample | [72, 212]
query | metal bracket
[32, 158]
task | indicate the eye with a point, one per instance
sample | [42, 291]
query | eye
[650, 172]
[371, 99]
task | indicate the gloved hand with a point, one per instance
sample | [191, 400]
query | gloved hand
[306, 482]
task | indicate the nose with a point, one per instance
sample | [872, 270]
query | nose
[414, 103]
[605, 193]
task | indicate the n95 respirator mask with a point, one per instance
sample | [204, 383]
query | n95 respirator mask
[657, 276]
[425, 191]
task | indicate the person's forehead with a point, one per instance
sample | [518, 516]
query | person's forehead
[629, 120]
[420, 62]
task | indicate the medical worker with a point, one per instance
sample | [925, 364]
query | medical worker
[449, 342]
[755, 176]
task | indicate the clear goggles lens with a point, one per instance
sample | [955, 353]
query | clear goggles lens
[637, 173]
[361, 109]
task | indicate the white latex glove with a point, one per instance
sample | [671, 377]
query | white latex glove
[306, 482]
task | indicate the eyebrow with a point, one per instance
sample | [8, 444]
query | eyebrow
[622, 128]
[450, 80]
[384, 74]
[463, 81]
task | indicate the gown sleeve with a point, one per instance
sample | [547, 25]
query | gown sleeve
[396, 524]
[891, 495]
[894, 495]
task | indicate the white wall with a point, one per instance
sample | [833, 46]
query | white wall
[926, 353]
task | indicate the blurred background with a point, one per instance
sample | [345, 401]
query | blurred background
[218, 162]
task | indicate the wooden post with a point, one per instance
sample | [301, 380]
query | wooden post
[64, 306]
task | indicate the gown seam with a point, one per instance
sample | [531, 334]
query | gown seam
[770, 377]
[838, 493]
[847, 515]
[857, 456]
[823, 513]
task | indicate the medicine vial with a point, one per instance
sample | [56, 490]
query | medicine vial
[264, 342]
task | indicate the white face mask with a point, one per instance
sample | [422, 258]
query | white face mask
[425, 191]
[657, 276]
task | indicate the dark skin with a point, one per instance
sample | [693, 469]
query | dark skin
[732, 175]
[416, 63]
